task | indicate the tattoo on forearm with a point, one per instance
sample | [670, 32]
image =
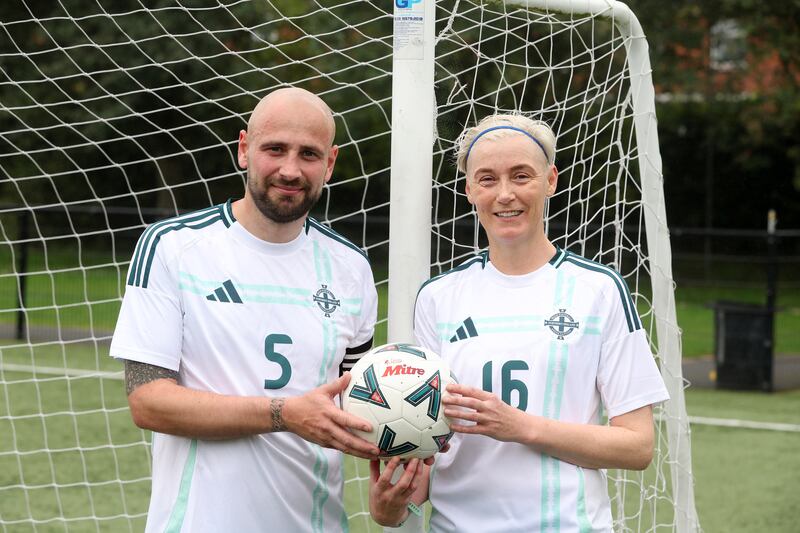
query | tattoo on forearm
[137, 374]
[276, 408]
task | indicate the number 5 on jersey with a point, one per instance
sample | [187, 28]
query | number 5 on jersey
[276, 357]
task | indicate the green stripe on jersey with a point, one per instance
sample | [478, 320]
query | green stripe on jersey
[254, 287]
[351, 306]
[330, 335]
[557, 259]
[553, 397]
[481, 258]
[144, 238]
[584, 526]
[257, 293]
[320, 494]
[494, 325]
[328, 232]
[631, 316]
[227, 213]
[322, 264]
[146, 247]
[175, 522]
[592, 325]
[557, 361]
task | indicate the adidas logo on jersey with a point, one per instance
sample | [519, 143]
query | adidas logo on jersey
[225, 293]
[465, 331]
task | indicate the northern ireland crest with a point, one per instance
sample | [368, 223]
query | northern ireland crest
[326, 301]
[562, 324]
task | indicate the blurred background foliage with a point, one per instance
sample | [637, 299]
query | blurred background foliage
[161, 132]
[727, 77]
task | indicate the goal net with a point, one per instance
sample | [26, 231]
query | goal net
[115, 115]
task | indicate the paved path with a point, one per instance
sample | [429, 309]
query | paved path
[785, 372]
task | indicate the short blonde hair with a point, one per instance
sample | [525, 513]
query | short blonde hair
[538, 129]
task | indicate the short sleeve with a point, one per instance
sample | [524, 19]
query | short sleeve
[365, 330]
[150, 323]
[425, 320]
[369, 309]
[628, 377]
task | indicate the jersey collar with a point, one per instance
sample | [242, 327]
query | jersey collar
[242, 236]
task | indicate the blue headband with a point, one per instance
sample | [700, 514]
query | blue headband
[481, 134]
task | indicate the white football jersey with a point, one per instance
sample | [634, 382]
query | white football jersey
[563, 342]
[239, 316]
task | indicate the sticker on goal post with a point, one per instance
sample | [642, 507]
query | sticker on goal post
[409, 29]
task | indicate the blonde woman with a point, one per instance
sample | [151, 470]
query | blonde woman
[545, 344]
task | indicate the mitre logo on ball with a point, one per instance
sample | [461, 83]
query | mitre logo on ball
[402, 369]
[401, 396]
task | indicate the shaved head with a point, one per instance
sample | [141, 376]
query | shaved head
[289, 155]
[294, 98]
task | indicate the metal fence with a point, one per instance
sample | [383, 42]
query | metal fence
[767, 259]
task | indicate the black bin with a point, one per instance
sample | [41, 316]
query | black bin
[743, 346]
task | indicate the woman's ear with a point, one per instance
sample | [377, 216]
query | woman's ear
[552, 180]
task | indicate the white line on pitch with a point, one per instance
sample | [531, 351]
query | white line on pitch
[56, 371]
[747, 424]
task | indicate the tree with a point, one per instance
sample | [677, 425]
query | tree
[115, 105]
[738, 127]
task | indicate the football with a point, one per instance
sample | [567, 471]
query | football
[398, 388]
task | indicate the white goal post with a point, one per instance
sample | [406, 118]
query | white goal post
[414, 176]
[114, 115]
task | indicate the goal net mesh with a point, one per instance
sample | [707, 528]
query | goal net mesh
[118, 114]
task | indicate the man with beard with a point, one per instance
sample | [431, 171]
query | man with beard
[237, 327]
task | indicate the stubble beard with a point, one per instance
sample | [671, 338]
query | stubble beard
[281, 212]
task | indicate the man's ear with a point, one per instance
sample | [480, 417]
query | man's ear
[332, 154]
[242, 154]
